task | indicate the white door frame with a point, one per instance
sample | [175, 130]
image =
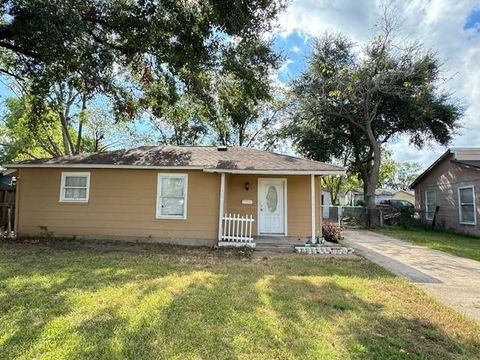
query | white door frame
[285, 206]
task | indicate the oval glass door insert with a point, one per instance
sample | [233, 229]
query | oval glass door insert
[272, 198]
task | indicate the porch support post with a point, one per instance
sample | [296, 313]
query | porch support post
[221, 207]
[312, 192]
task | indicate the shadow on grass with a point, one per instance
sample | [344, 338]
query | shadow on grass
[84, 305]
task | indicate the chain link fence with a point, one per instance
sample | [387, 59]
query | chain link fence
[345, 215]
[357, 216]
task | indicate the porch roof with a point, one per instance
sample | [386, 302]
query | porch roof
[233, 159]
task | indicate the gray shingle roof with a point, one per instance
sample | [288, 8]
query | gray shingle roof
[202, 157]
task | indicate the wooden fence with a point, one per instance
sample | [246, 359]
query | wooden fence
[7, 208]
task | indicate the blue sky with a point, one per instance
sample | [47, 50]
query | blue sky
[295, 47]
[450, 28]
[473, 19]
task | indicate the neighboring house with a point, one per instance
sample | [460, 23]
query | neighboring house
[451, 183]
[186, 195]
[404, 195]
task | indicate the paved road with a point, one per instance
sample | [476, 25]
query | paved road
[452, 279]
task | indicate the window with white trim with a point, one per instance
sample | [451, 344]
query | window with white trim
[466, 205]
[172, 196]
[75, 187]
[430, 204]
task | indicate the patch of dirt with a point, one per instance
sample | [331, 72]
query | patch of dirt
[110, 246]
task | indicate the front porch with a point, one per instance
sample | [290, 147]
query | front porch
[265, 211]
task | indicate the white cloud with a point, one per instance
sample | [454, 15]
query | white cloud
[439, 24]
[295, 49]
[403, 151]
[285, 65]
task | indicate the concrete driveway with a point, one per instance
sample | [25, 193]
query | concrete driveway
[451, 279]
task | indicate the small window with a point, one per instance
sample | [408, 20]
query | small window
[430, 204]
[466, 208]
[75, 186]
[172, 196]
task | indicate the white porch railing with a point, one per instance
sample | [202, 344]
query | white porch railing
[237, 230]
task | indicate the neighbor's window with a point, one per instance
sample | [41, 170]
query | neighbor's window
[75, 186]
[467, 209]
[172, 196]
[430, 204]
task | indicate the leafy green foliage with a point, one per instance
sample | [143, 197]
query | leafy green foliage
[114, 47]
[392, 175]
[18, 141]
[406, 219]
[230, 103]
[351, 101]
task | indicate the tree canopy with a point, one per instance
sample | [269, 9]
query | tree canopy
[100, 46]
[197, 70]
[355, 99]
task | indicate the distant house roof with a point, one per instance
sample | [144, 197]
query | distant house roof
[208, 158]
[456, 154]
[378, 192]
[409, 192]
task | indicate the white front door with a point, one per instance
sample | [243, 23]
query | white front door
[271, 206]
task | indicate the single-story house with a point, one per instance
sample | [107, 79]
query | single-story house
[448, 191]
[192, 195]
[404, 195]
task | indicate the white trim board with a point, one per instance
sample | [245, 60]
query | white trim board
[64, 175]
[101, 166]
[460, 206]
[200, 168]
[158, 214]
[278, 172]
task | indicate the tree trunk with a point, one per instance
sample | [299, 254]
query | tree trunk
[373, 172]
[67, 141]
[80, 124]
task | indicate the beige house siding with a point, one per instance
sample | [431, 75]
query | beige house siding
[445, 178]
[122, 204]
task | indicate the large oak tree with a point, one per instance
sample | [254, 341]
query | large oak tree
[355, 99]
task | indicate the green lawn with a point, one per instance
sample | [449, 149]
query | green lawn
[456, 244]
[139, 302]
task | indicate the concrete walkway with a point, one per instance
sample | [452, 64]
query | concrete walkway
[451, 279]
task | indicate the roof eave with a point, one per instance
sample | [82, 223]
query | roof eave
[277, 172]
[148, 167]
[100, 166]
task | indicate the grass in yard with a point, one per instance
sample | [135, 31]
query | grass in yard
[197, 304]
[456, 244]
